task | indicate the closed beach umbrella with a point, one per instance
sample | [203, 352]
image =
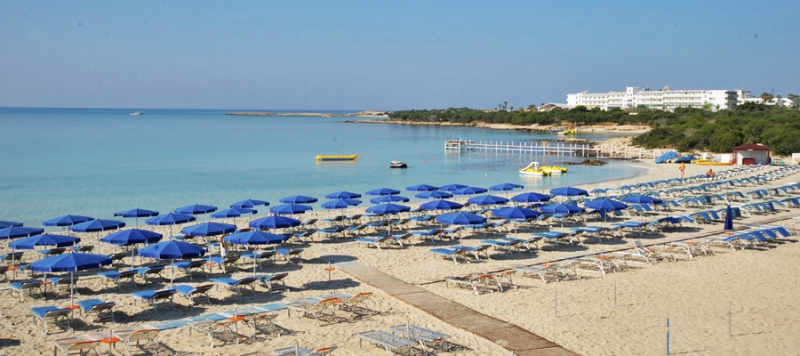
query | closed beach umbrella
[30, 243]
[422, 188]
[289, 209]
[343, 195]
[452, 187]
[441, 205]
[728, 218]
[5, 224]
[434, 194]
[568, 192]
[530, 197]
[274, 222]
[170, 219]
[460, 219]
[383, 191]
[97, 225]
[388, 199]
[70, 262]
[470, 191]
[298, 199]
[66, 220]
[233, 213]
[172, 250]
[196, 209]
[136, 213]
[254, 238]
[208, 229]
[249, 203]
[515, 213]
[487, 200]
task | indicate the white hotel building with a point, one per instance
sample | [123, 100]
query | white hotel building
[664, 99]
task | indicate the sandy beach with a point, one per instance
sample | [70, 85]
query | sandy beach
[758, 284]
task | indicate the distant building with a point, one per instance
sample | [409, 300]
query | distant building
[664, 99]
[551, 106]
[782, 102]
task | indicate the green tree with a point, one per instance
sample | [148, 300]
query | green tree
[766, 97]
[731, 100]
[532, 107]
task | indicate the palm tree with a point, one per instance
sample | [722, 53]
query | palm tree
[766, 97]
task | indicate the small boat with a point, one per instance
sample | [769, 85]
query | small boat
[567, 133]
[708, 160]
[136, 113]
[554, 169]
[337, 157]
[398, 164]
[533, 170]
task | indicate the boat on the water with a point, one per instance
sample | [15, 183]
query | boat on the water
[554, 169]
[136, 113]
[336, 157]
[398, 164]
[533, 170]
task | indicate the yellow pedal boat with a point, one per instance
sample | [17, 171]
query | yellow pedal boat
[554, 169]
[533, 170]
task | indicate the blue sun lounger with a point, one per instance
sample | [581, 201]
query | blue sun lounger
[264, 255]
[427, 234]
[61, 281]
[51, 315]
[236, 284]
[188, 266]
[377, 241]
[508, 245]
[151, 271]
[22, 286]
[452, 253]
[152, 297]
[270, 280]
[118, 276]
[221, 262]
[287, 254]
[195, 293]
[103, 311]
[551, 236]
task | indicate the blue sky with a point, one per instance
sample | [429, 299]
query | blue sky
[384, 55]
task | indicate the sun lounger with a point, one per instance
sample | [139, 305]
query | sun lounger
[426, 337]
[118, 276]
[51, 252]
[150, 271]
[508, 245]
[452, 253]
[256, 256]
[427, 234]
[236, 284]
[288, 254]
[451, 232]
[74, 345]
[602, 263]
[222, 262]
[213, 330]
[132, 337]
[331, 232]
[477, 250]
[188, 266]
[23, 286]
[357, 301]
[195, 294]
[57, 282]
[398, 239]
[377, 241]
[97, 309]
[51, 315]
[10, 257]
[356, 230]
[551, 236]
[308, 223]
[305, 234]
[118, 257]
[393, 344]
[479, 282]
[270, 281]
[334, 220]
[301, 351]
[315, 310]
[640, 252]
[153, 297]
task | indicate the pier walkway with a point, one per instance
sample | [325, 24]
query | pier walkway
[509, 336]
[552, 148]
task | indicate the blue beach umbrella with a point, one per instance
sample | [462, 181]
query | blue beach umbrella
[470, 191]
[422, 188]
[208, 229]
[561, 208]
[66, 220]
[605, 205]
[441, 205]
[136, 213]
[132, 237]
[298, 199]
[505, 187]
[170, 219]
[30, 243]
[383, 191]
[249, 204]
[254, 238]
[289, 209]
[530, 197]
[515, 213]
[728, 218]
[274, 222]
[452, 187]
[5, 224]
[340, 203]
[343, 195]
[487, 200]
[17, 232]
[434, 194]
[388, 199]
[97, 225]
[196, 209]
[641, 199]
[384, 209]
[172, 250]
[568, 191]
[460, 219]
[70, 262]
[233, 213]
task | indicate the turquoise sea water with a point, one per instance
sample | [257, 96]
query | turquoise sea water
[98, 161]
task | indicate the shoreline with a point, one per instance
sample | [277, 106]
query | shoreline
[367, 113]
[632, 129]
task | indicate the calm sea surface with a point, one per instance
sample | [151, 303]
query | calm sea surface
[98, 161]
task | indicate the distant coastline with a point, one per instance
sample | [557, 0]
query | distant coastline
[634, 130]
[368, 113]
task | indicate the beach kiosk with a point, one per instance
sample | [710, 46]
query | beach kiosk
[751, 153]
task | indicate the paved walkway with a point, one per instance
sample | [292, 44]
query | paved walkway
[507, 335]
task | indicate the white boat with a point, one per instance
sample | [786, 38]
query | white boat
[398, 164]
[533, 170]
[136, 113]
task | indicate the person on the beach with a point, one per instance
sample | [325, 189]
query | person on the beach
[222, 252]
[682, 167]
[710, 173]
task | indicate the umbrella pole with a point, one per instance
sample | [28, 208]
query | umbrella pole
[172, 273]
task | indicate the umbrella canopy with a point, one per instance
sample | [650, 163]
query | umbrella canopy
[728, 218]
[289, 209]
[70, 262]
[170, 219]
[298, 199]
[233, 213]
[434, 194]
[340, 203]
[470, 191]
[254, 238]
[343, 195]
[515, 213]
[274, 222]
[5, 224]
[174, 250]
[460, 219]
[561, 208]
[604, 204]
[208, 229]
[383, 191]
[136, 213]
[249, 204]
[441, 205]
[422, 188]
[32, 242]
[132, 237]
[387, 209]
[568, 191]
[505, 187]
[530, 197]
[487, 200]
[452, 187]
[641, 199]
[196, 209]
[97, 225]
[17, 232]
[66, 220]
[388, 199]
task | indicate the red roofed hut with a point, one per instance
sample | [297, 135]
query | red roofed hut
[751, 153]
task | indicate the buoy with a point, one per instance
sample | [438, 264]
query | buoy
[425, 161]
